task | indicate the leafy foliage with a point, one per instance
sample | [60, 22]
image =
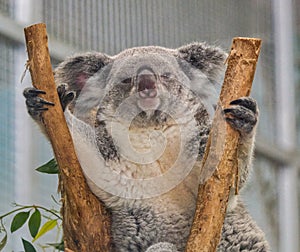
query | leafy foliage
[50, 167]
[34, 218]
[18, 221]
[28, 246]
[35, 223]
[3, 241]
[49, 225]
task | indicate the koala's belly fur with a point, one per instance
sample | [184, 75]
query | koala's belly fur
[137, 224]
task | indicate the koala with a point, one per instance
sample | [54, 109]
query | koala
[140, 121]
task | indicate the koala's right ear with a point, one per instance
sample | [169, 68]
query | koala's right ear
[76, 70]
[209, 59]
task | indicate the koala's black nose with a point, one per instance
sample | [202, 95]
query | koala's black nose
[146, 85]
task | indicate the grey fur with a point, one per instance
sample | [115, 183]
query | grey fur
[240, 232]
[192, 74]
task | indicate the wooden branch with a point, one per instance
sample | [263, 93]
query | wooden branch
[214, 193]
[86, 223]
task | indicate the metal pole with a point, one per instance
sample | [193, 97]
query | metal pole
[286, 124]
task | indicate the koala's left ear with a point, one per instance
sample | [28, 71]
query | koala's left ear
[210, 60]
[76, 70]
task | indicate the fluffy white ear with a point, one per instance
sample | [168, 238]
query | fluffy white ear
[209, 59]
[76, 70]
[205, 66]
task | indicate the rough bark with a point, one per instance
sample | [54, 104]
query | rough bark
[86, 222]
[214, 193]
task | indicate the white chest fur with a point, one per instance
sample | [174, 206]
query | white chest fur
[152, 161]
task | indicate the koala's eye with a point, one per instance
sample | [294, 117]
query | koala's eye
[166, 76]
[127, 81]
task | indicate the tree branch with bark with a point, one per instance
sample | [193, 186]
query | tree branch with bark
[214, 193]
[86, 222]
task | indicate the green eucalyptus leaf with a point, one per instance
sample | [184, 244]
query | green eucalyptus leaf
[28, 246]
[18, 221]
[34, 223]
[50, 167]
[3, 242]
[4, 239]
[49, 225]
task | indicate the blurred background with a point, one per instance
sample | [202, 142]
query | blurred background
[110, 26]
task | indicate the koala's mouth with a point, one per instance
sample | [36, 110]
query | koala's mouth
[149, 103]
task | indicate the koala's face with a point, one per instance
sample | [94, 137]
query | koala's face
[144, 89]
[146, 77]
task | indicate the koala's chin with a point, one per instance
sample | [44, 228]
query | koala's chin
[149, 104]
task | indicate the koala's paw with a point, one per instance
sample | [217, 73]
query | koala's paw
[242, 115]
[65, 96]
[35, 104]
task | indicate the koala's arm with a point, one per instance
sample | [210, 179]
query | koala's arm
[242, 115]
[70, 77]
[241, 233]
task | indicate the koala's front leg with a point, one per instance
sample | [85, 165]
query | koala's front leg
[242, 115]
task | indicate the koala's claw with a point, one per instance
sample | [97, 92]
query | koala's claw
[35, 104]
[246, 102]
[242, 114]
[32, 92]
[38, 103]
[65, 96]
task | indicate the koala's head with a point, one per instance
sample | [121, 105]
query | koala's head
[145, 112]
[144, 84]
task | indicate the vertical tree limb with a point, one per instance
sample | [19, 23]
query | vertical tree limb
[214, 193]
[86, 222]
